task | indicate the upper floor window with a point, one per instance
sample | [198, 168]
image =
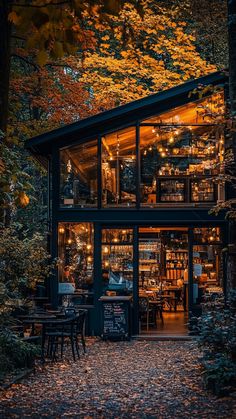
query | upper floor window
[181, 151]
[119, 168]
[78, 177]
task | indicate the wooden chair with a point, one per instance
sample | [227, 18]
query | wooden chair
[145, 311]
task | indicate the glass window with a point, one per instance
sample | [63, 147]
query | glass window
[206, 235]
[187, 157]
[202, 111]
[207, 271]
[119, 168]
[78, 177]
[117, 262]
[75, 252]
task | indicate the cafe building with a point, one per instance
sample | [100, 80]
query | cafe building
[130, 191]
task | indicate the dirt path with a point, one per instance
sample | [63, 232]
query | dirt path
[119, 380]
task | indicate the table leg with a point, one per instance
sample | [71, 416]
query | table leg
[43, 343]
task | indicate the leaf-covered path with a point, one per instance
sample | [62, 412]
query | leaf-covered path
[119, 380]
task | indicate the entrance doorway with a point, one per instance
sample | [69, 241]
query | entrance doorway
[168, 272]
[163, 280]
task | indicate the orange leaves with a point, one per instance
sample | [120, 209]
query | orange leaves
[22, 199]
[13, 17]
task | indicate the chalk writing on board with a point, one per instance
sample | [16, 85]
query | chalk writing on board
[115, 319]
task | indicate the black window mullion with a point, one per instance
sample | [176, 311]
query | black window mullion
[138, 166]
[99, 172]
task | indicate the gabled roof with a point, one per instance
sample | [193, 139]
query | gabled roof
[119, 117]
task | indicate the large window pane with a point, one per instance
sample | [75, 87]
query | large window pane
[78, 186]
[117, 261]
[75, 252]
[207, 272]
[177, 164]
[119, 168]
[202, 111]
[183, 144]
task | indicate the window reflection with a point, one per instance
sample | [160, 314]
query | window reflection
[177, 164]
[75, 252]
[207, 271]
[119, 168]
[78, 186]
[117, 261]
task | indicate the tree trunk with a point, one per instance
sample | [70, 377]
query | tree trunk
[5, 57]
[231, 266]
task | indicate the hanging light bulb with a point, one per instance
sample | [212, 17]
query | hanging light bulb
[171, 140]
[89, 246]
[150, 148]
[69, 241]
[89, 258]
[145, 152]
[106, 250]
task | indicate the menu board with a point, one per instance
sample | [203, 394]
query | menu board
[115, 319]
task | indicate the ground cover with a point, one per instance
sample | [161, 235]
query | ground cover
[134, 379]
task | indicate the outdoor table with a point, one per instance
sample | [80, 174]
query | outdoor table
[43, 320]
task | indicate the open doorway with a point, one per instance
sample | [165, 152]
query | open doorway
[163, 280]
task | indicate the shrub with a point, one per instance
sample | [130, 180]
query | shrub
[217, 339]
[15, 353]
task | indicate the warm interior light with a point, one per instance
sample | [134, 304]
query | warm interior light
[89, 246]
[69, 241]
[89, 258]
[106, 264]
[61, 230]
[106, 250]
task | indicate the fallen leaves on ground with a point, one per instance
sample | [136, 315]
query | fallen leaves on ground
[134, 379]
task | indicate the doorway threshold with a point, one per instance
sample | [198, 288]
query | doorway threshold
[163, 337]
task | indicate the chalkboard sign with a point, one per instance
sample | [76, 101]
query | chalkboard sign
[115, 317]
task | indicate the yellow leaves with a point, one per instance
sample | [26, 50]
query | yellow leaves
[105, 38]
[42, 58]
[14, 18]
[58, 50]
[22, 199]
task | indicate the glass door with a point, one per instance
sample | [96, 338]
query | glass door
[117, 261]
[163, 279]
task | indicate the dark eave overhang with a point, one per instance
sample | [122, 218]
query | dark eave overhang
[119, 117]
